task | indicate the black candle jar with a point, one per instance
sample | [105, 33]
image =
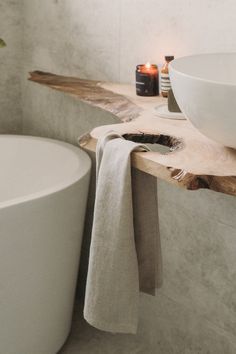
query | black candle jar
[147, 80]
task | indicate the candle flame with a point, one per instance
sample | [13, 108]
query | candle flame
[148, 65]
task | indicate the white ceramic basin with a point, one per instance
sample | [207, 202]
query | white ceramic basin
[205, 89]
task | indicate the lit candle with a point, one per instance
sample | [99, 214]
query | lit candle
[147, 80]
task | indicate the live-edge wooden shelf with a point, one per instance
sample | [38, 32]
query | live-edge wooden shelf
[193, 161]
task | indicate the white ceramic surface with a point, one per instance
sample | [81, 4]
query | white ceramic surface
[205, 89]
[43, 188]
[163, 112]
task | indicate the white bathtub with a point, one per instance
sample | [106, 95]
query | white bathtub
[43, 193]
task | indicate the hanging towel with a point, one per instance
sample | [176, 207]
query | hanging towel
[146, 230]
[125, 248]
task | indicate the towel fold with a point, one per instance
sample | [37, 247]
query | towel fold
[146, 230]
[125, 252]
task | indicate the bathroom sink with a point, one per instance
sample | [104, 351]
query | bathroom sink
[205, 88]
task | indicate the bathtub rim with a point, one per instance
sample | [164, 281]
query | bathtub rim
[75, 177]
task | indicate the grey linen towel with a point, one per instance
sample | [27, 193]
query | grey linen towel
[125, 252]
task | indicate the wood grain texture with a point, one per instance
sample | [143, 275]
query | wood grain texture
[90, 92]
[192, 161]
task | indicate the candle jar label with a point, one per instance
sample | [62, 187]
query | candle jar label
[147, 84]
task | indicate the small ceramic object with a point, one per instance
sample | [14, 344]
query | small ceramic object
[163, 112]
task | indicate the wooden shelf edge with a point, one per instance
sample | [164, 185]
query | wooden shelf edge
[177, 177]
[90, 92]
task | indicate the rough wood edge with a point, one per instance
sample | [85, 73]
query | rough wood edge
[90, 92]
[177, 177]
[171, 142]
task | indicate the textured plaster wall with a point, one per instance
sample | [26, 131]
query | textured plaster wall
[11, 66]
[195, 311]
[104, 39]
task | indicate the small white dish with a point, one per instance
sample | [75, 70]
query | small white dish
[163, 112]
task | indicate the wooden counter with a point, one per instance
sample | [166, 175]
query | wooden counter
[192, 160]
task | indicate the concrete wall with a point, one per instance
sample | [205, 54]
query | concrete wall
[106, 39]
[11, 66]
[195, 311]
